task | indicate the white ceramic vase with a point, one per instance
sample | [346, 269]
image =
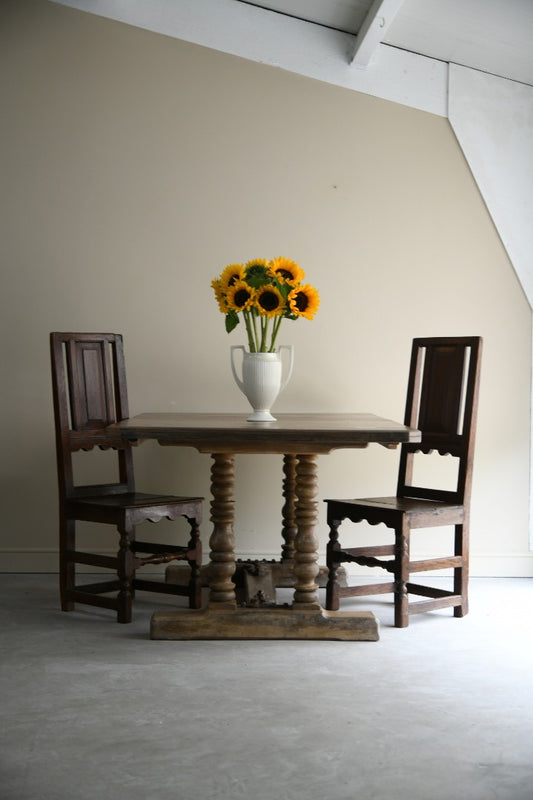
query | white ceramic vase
[262, 379]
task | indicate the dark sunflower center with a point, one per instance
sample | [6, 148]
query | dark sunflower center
[241, 297]
[269, 301]
[285, 274]
[302, 301]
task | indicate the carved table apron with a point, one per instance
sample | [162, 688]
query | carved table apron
[300, 438]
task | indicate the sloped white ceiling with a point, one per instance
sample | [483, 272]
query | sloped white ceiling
[492, 36]
[493, 121]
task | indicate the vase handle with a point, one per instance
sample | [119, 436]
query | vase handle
[238, 381]
[290, 348]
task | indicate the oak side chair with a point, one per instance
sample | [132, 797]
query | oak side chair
[89, 391]
[442, 399]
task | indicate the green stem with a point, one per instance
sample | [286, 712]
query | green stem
[275, 331]
[264, 329]
[250, 332]
[256, 333]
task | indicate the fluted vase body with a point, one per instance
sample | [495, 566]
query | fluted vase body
[262, 379]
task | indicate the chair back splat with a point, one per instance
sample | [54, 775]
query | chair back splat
[442, 399]
[442, 404]
[90, 393]
[89, 383]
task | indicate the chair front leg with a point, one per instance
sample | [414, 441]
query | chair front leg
[125, 572]
[332, 562]
[460, 574]
[401, 576]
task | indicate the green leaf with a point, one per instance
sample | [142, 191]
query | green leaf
[257, 276]
[232, 320]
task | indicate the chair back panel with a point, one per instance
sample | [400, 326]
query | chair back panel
[442, 400]
[89, 388]
[91, 385]
[442, 387]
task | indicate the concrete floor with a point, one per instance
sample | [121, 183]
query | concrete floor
[95, 710]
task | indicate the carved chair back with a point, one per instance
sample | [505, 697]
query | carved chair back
[89, 390]
[441, 402]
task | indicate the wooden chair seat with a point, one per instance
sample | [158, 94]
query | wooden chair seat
[152, 507]
[390, 510]
[441, 402]
[89, 384]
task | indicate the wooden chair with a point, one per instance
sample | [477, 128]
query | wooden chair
[442, 403]
[89, 389]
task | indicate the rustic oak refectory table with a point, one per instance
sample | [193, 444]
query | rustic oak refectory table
[299, 438]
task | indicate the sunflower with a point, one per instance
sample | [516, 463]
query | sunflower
[286, 271]
[220, 295]
[232, 273]
[240, 296]
[304, 301]
[269, 301]
[262, 293]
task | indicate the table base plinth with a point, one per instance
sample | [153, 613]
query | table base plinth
[226, 621]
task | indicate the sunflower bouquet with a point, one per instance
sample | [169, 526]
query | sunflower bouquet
[264, 293]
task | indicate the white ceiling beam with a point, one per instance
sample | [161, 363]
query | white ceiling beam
[373, 30]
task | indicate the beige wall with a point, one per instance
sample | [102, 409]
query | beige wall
[135, 167]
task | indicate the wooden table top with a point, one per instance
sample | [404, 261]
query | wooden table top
[290, 433]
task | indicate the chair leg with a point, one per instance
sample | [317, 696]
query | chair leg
[194, 561]
[126, 574]
[67, 568]
[460, 574]
[332, 585]
[401, 600]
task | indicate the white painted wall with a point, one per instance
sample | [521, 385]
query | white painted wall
[491, 117]
[135, 166]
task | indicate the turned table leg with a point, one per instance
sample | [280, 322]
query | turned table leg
[288, 512]
[222, 541]
[306, 553]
